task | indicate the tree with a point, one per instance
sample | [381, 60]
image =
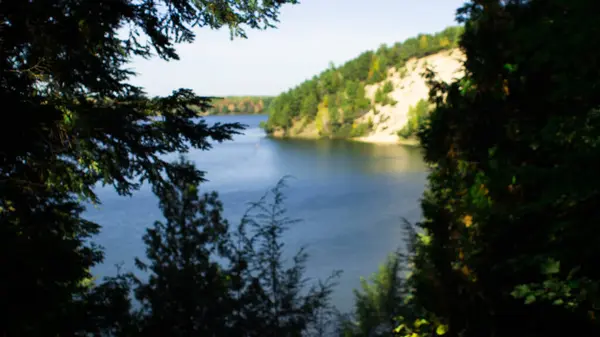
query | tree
[334, 112]
[352, 89]
[379, 302]
[376, 72]
[362, 102]
[189, 291]
[208, 279]
[380, 96]
[388, 87]
[510, 223]
[310, 105]
[287, 305]
[444, 42]
[423, 43]
[75, 122]
[418, 115]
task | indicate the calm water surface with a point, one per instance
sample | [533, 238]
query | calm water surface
[350, 196]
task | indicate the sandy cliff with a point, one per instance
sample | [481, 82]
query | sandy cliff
[409, 88]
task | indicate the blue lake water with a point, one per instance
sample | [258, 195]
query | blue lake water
[351, 198]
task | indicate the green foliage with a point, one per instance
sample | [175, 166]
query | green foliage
[345, 130]
[279, 301]
[348, 81]
[75, 124]
[310, 105]
[381, 94]
[379, 302]
[188, 291]
[246, 105]
[361, 129]
[388, 87]
[510, 210]
[417, 119]
[206, 278]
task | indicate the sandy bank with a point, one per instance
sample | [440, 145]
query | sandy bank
[380, 138]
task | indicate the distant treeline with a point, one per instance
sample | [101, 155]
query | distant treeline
[240, 105]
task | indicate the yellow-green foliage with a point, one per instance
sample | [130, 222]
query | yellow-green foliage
[417, 117]
[361, 129]
[240, 105]
[322, 118]
[382, 94]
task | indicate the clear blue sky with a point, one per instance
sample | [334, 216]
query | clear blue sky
[308, 37]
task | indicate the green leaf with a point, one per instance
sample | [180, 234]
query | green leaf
[550, 267]
[529, 299]
[420, 322]
[425, 239]
[399, 328]
[510, 67]
[441, 329]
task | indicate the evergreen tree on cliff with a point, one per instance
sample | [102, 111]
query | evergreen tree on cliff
[72, 121]
[511, 240]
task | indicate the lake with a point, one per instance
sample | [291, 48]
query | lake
[350, 196]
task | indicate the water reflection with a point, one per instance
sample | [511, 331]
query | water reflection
[344, 155]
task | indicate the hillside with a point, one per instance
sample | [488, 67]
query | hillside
[240, 105]
[373, 97]
[407, 101]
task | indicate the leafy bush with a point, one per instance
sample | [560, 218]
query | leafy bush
[382, 97]
[379, 301]
[361, 129]
[342, 131]
[417, 118]
[388, 87]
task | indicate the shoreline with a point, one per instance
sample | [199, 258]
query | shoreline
[382, 139]
[233, 114]
[377, 139]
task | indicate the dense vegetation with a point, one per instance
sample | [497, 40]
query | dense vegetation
[418, 116]
[507, 247]
[336, 98]
[240, 105]
[509, 242]
[207, 278]
[77, 124]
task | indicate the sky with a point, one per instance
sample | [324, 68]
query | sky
[308, 37]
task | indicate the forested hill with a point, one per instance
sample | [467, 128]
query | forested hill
[240, 105]
[337, 101]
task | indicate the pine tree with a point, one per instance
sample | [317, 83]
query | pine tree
[75, 123]
[287, 304]
[510, 238]
[380, 301]
[208, 279]
[192, 271]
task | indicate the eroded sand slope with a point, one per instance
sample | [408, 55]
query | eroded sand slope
[409, 88]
